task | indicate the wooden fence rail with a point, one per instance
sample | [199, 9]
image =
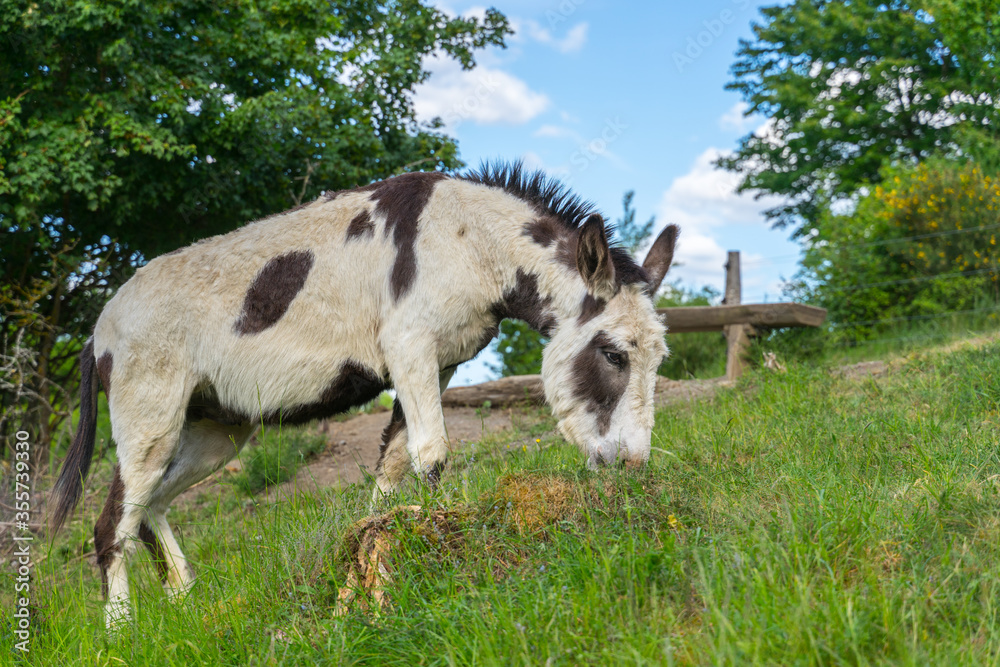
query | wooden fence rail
[691, 319]
[740, 321]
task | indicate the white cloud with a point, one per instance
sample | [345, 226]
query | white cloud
[704, 201]
[484, 95]
[574, 40]
[735, 120]
[557, 132]
[706, 196]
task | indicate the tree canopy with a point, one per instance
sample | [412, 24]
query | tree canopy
[130, 128]
[850, 86]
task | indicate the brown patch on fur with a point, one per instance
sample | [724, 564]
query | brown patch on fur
[361, 225]
[544, 231]
[627, 272]
[148, 537]
[333, 194]
[566, 250]
[599, 382]
[104, 366]
[272, 291]
[590, 308]
[105, 544]
[204, 404]
[355, 385]
[524, 302]
[396, 424]
[400, 200]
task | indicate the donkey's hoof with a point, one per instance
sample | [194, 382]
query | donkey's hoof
[117, 614]
[433, 474]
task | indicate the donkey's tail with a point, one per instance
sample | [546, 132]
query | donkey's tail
[69, 487]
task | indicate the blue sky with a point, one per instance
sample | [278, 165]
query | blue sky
[610, 99]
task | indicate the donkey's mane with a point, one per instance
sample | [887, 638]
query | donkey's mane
[546, 194]
[549, 196]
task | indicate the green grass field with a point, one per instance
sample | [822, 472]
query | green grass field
[798, 518]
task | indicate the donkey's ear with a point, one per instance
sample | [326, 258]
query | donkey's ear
[660, 255]
[593, 258]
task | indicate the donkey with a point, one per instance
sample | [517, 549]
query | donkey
[304, 314]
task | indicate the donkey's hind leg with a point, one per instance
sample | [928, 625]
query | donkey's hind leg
[205, 446]
[119, 527]
[394, 459]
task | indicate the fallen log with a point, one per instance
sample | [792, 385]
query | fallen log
[502, 392]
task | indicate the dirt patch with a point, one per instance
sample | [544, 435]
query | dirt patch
[354, 445]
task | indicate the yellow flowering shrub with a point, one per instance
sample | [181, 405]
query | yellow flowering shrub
[921, 244]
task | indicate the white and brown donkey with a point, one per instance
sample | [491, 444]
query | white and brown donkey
[310, 312]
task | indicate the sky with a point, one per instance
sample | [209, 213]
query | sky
[609, 99]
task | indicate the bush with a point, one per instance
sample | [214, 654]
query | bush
[692, 355]
[277, 458]
[921, 245]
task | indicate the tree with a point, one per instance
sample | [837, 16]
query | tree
[628, 234]
[130, 128]
[518, 345]
[851, 86]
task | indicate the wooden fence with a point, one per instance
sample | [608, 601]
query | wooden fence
[739, 321]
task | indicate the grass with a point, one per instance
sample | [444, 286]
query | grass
[798, 518]
[277, 458]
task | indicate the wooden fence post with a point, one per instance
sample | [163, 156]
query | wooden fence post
[737, 335]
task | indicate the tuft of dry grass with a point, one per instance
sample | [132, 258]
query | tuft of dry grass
[535, 501]
[372, 544]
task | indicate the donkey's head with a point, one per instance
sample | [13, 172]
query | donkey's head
[599, 369]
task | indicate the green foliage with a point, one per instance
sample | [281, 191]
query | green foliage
[850, 87]
[277, 458]
[800, 518]
[520, 349]
[518, 345]
[130, 128]
[921, 244]
[692, 355]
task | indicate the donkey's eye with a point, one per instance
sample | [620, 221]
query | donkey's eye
[616, 358]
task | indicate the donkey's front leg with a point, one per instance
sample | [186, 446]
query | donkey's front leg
[416, 379]
[394, 458]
